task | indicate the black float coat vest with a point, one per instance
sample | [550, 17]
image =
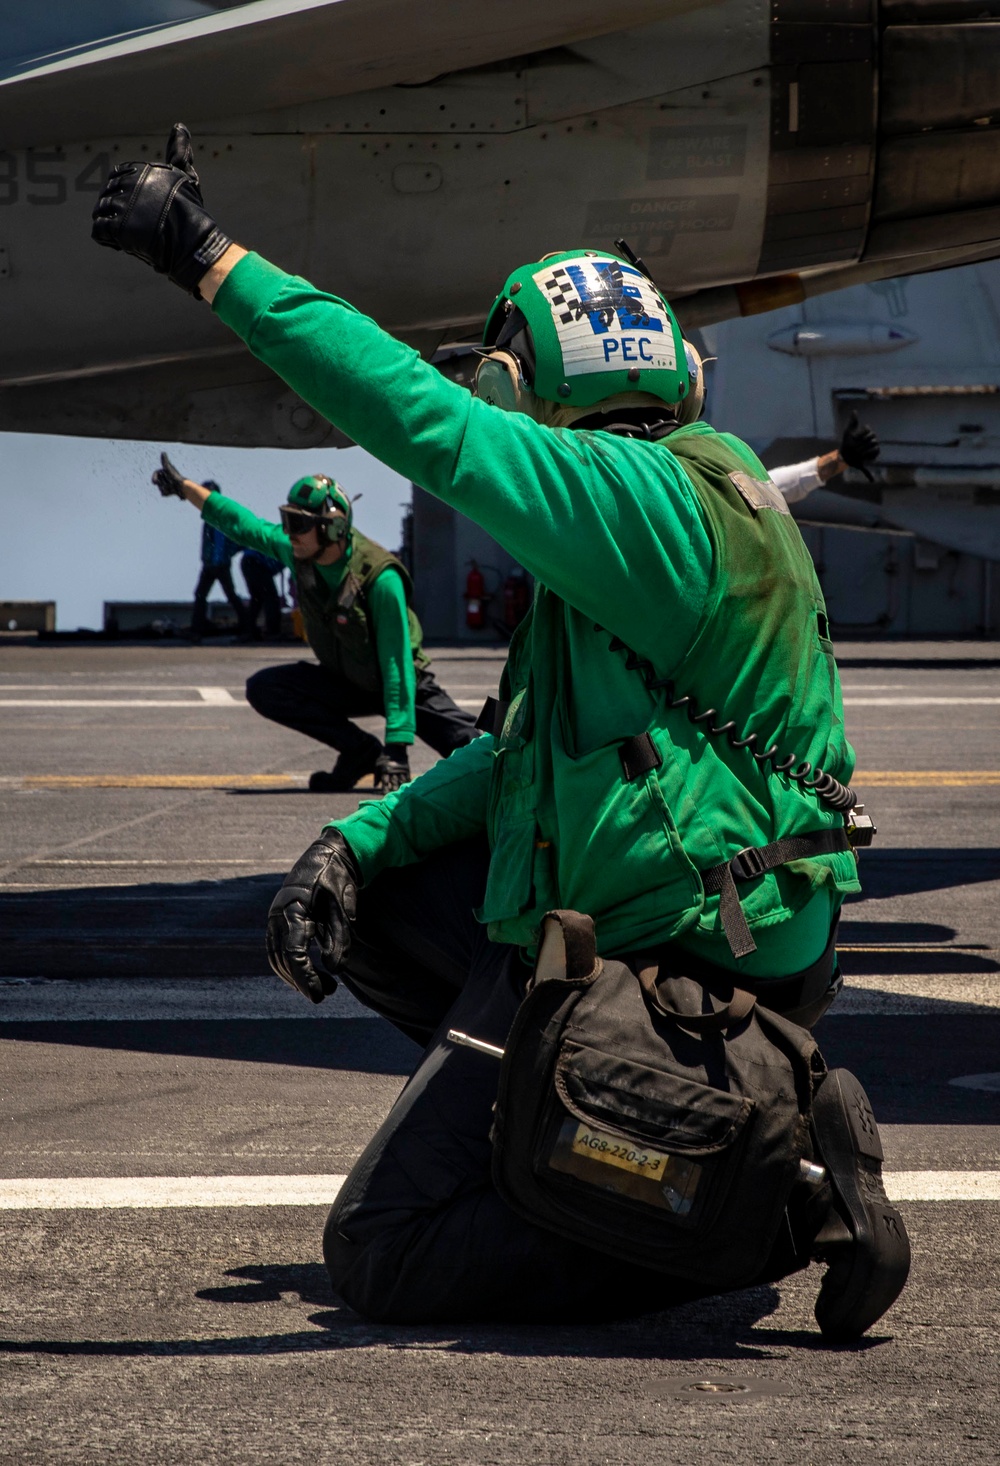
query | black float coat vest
[338, 621]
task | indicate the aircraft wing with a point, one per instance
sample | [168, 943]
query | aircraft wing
[403, 153]
[280, 53]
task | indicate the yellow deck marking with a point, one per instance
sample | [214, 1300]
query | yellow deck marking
[170, 781]
[872, 779]
[154, 781]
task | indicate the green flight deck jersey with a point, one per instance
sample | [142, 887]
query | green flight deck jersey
[358, 620]
[655, 561]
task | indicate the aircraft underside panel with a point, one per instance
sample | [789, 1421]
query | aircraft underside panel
[729, 143]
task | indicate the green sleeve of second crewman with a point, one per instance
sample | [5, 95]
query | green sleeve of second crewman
[387, 607]
[247, 529]
[446, 804]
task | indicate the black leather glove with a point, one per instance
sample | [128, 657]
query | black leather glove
[167, 479]
[155, 212]
[392, 767]
[317, 903]
[859, 446]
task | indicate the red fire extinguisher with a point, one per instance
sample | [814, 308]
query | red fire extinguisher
[516, 600]
[475, 597]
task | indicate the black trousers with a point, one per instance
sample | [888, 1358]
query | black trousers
[263, 597]
[318, 703]
[418, 1234]
[199, 612]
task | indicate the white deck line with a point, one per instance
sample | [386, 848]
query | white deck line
[225, 699]
[219, 696]
[85, 682]
[107, 1193]
[222, 697]
[120, 702]
[917, 702]
[113, 1192]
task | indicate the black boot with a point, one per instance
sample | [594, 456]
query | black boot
[862, 1238]
[351, 766]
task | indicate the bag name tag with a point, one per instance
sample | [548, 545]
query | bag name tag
[635, 1170]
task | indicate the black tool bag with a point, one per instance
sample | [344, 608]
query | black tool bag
[645, 1115]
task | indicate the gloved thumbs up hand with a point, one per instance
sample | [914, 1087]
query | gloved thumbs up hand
[179, 153]
[155, 212]
[168, 479]
[859, 446]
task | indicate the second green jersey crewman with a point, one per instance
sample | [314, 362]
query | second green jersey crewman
[354, 597]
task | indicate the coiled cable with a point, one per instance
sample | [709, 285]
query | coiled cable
[831, 791]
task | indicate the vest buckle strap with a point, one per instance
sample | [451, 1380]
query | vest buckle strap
[757, 860]
[749, 863]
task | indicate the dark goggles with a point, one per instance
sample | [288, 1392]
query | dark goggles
[299, 521]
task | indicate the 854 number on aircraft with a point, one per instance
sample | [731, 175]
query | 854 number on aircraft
[47, 177]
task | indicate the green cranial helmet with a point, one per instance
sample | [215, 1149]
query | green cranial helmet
[320, 502]
[585, 326]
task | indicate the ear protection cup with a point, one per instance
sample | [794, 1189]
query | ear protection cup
[336, 529]
[500, 383]
[691, 407]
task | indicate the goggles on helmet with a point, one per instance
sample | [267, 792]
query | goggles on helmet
[299, 521]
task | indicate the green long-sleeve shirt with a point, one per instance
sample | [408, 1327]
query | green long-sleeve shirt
[575, 513]
[616, 533]
[386, 599]
[577, 517]
[582, 534]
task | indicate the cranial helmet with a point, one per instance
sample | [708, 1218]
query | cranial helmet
[324, 502]
[574, 330]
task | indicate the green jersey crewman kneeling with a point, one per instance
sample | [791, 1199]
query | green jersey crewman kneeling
[662, 720]
[354, 597]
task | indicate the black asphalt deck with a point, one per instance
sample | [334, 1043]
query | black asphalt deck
[131, 907]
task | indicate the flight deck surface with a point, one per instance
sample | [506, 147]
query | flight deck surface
[148, 815]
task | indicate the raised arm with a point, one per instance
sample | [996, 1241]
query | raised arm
[247, 528]
[585, 513]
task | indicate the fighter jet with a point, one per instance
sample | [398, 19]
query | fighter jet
[404, 154]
